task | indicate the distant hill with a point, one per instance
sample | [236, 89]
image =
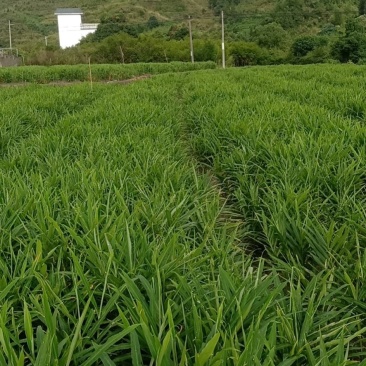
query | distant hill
[34, 19]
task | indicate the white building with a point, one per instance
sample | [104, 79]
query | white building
[70, 27]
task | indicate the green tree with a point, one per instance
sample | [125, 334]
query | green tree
[114, 25]
[351, 46]
[362, 7]
[303, 45]
[289, 13]
[270, 35]
[246, 53]
[218, 5]
[205, 50]
[328, 30]
[178, 32]
[152, 23]
[337, 17]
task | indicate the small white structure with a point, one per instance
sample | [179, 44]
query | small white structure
[70, 27]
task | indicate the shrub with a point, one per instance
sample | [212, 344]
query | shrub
[351, 46]
[205, 50]
[152, 22]
[303, 45]
[329, 30]
[246, 53]
[178, 32]
[270, 35]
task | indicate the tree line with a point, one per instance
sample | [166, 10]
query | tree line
[269, 41]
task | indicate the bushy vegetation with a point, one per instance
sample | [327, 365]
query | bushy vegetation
[219, 5]
[145, 30]
[270, 35]
[209, 218]
[118, 24]
[266, 43]
[45, 74]
[124, 48]
[352, 45]
[246, 54]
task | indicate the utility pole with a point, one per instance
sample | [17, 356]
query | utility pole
[122, 54]
[191, 39]
[223, 40]
[10, 42]
[46, 40]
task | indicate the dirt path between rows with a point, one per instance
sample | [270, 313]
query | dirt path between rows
[77, 82]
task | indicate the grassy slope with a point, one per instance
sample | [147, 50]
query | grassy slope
[34, 19]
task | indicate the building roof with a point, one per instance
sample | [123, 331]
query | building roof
[68, 11]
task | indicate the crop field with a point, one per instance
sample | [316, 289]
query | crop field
[214, 217]
[48, 74]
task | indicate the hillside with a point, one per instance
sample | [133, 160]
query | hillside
[33, 20]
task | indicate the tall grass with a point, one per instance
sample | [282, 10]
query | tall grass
[117, 248]
[47, 74]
